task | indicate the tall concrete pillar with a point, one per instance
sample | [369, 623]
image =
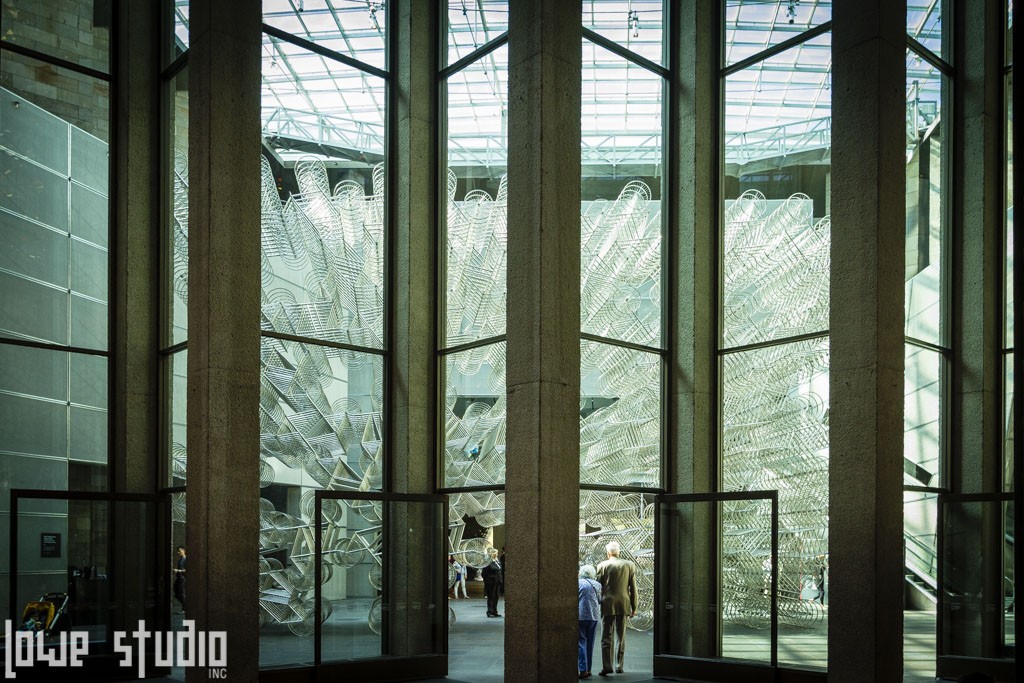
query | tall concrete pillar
[543, 376]
[136, 309]
[224, 335]
[413, 385]
[977, 331]
[691, 242]
[866, 326]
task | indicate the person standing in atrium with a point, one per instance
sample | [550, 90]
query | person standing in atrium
[492, 582]
[618, 601]
[589, 593]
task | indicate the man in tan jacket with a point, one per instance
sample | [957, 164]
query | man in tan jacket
[618, 601]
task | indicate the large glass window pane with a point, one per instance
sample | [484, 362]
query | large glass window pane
[777, 170]
[74, 30]
[176, 329]
[775, 437]
[31, 310]
[621, 222]
[752, 27]
[477, 195]
[323, 202]
[474, 439]
[634, 24]
[922, 417]
[353, 29]
[32, 250]
[620, 416]
[473, 23]
[925, 24]
[927, 200]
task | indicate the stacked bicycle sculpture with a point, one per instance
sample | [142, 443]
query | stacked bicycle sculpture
[320, 405]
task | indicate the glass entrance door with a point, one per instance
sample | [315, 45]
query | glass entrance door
[716, 607]
[380, 585]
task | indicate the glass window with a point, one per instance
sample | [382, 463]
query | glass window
[74, 30]
[476, 253]
[633, 24]
[176, 104]
[620, 416]
[924, 24]
[775, 437]
[621, 222]
[922, 417]
[176, 366]
[752, 27]
[472, 24]
[475, 410]
[355, 30]
[926, 203]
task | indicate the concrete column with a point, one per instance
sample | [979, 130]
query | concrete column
[135, 302]
[977, 330]
[690, 313]
[413, 284]
[413, 384]
[866, 325]
[543, 376]
[136, 311]
[224, 338]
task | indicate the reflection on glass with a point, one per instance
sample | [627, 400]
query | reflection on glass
[978, 578]
[634, 24]
[80, 100]
[621, 229]
[924, 24]
[356, 30]
[472, 24]
[922, 413]
[177, 220]
[323, 215]
[476, 250]
[752, 27]
[620, 416]
[775, 437]
[74, 30]
[926, 202]
[475, 419]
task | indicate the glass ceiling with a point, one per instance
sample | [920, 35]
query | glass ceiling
[781, 104]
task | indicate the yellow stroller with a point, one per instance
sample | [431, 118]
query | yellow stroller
[45, 614]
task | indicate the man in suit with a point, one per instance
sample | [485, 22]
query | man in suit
[492, 582]
[618, 601]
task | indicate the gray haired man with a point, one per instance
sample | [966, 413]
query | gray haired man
[618, 601]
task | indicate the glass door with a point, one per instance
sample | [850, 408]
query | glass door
[716, 596]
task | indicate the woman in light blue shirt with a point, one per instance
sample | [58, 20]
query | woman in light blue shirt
[590, 614]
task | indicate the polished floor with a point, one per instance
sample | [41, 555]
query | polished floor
[476, 645]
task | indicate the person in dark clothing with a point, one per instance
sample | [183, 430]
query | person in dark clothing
[179, 577]
[492, 582]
